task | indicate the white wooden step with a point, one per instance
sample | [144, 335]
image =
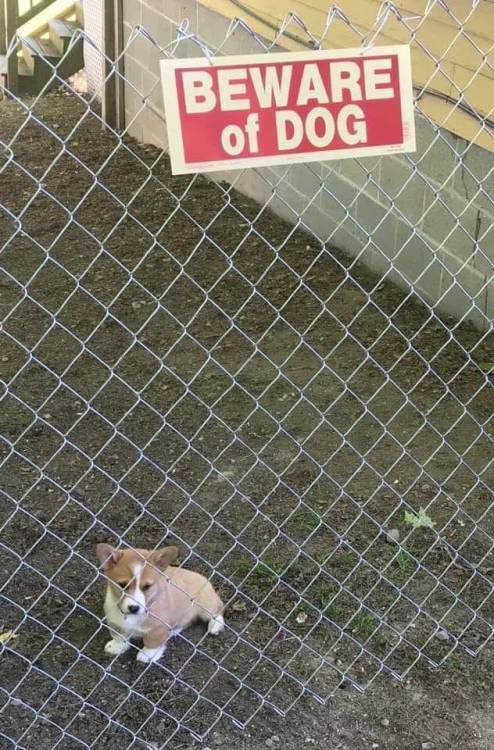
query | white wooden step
[61, 31]
[34, 48]
[79, 12]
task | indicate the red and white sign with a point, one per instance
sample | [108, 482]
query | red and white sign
[260, 110]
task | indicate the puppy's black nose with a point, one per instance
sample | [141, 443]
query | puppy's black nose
[133, 609]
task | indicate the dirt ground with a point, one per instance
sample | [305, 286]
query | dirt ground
[178, 364]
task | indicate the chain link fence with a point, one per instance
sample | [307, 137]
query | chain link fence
[239, 367]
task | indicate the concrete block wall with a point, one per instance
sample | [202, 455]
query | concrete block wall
[425, 219]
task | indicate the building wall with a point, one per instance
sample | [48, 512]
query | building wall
[465, 75]
[427, 218]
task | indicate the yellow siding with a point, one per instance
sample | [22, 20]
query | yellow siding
[452, 53]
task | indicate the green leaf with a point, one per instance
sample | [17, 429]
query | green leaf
[7, 636]
[419, 521]
[487, 367]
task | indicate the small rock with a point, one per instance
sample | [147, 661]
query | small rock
[239, 607]
[374, 745]
[301, 618]
[442, 635]
[393, 535]
[385, 722]
[136, 305]
[269, 742]
[225, 475]
[426, 487]
[275, 738]
[427, 746]
[5, 359]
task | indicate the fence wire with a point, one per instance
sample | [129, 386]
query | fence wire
[185, 362]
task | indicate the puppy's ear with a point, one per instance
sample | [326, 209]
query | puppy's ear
[107, 555]
[162, 558]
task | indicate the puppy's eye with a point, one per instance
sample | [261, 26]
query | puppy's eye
[122, 584]
[146, 586]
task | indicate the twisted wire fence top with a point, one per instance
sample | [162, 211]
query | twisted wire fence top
[182, 363]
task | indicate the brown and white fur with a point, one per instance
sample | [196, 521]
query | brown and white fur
[148, 599]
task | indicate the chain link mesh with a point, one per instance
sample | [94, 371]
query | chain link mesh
[181, 365]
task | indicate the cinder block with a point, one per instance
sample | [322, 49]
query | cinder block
[137, 46]
[329, 215]
[305, 180]
[320, 223]
[404, 187]
[187, 10]
[134, 128]
[452, 224]
[384, 237]
[489, 310]
[394, 173]
[154, 125]
[463, 290]
[152, 91]
[239, 42]
[348, 237]
[425, 132]
[363, 173]
[370, 256]
[157, 138]
[150, 53]
[133, 94]
[416, 260]
[296, 200]
[338, 191]
[369, 212]
[173, 9]
[127, 32]
[484, 248]
[212, 27]
[132, 12]
[439, 159]
[326, 169]
[484, 203]
[482, 263]
[476, 171]
[251, 183]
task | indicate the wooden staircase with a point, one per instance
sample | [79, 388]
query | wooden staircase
[44, 45]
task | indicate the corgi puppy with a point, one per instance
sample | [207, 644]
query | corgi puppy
[148, 599]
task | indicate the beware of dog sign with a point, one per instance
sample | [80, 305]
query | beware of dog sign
[261, 110]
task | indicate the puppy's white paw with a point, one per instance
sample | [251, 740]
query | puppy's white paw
[216, 625]
[147, 655]
[116, 646]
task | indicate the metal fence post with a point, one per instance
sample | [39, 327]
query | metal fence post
[11, 11]
[3, 28]
[109, 104]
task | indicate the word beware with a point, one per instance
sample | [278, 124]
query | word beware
[273, 109]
